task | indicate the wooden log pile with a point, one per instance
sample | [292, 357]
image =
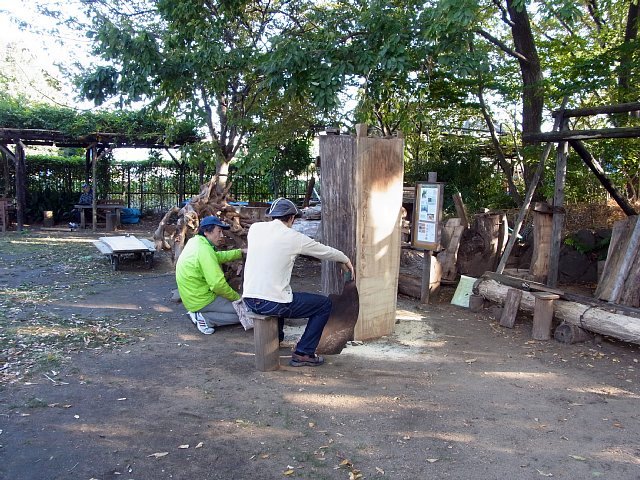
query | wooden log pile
[180, 224]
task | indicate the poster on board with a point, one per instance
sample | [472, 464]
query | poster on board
[427, 215]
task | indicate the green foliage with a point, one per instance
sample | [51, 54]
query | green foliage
[142, 124]
[461, 163]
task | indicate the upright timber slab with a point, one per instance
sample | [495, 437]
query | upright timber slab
[361, 205]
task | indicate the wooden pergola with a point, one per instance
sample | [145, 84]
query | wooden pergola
[96, 145]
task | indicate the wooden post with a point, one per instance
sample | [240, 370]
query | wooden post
[558, 210]
[21, 185]
[542, 229]
[432, 177]
[461, 210]
[426, 276]
[94, 186]
[510, 308]
[109, 221]
[265, 337]
[543, 315]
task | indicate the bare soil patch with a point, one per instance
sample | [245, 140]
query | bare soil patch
[135, 392]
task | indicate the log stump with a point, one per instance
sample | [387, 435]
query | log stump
[543, 315]
[265, 337]
[569, 333]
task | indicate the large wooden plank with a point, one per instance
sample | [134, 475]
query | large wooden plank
[339, 210]
[621, 236]
[379, 177]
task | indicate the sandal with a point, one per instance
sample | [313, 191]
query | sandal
[303, 360]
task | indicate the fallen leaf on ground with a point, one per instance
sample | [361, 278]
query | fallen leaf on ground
[288, 472]
[183, 446]
[158, 454]
[432, 460]
[470, 360]
[578, 457]
[199, 445]
[544, 474]
[380, 471]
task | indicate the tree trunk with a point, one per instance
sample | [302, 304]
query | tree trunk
[531, 73]
[625, 65]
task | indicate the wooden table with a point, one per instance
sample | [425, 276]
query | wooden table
[118, 246]
[105, 207]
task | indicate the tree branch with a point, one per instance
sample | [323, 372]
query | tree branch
[501, 45]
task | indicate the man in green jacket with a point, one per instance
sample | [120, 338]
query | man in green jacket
[203, 289]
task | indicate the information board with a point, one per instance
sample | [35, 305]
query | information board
[427, 213]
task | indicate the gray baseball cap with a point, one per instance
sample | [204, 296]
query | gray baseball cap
[281, 207]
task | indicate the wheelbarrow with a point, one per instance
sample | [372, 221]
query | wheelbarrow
[118, 247]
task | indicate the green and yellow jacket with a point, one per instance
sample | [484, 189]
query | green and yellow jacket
[199, 275]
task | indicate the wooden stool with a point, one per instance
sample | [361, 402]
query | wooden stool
[543, 315]
[267, 344]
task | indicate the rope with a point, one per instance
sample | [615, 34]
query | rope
[582, 315]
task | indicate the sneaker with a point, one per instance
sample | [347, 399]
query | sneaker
[199, 321]
[302, 360]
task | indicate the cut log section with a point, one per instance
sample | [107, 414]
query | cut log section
[569, 333]
[543, 315]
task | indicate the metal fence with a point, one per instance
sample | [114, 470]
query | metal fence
[147, 187]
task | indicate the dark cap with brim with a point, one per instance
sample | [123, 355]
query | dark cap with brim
[213, 220]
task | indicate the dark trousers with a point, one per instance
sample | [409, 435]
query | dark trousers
[304, 305]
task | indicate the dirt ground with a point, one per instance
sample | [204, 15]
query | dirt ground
[143, 395]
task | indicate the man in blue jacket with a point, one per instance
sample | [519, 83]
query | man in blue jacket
[203, 288]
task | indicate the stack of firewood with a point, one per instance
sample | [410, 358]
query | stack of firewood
[180, 224]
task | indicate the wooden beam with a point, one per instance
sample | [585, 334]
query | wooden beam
[461, 209]
[598, 171]
[603, 109]
[50, 137]
[597, 134]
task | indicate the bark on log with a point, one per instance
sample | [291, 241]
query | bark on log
[589, 317]
[409, 285]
